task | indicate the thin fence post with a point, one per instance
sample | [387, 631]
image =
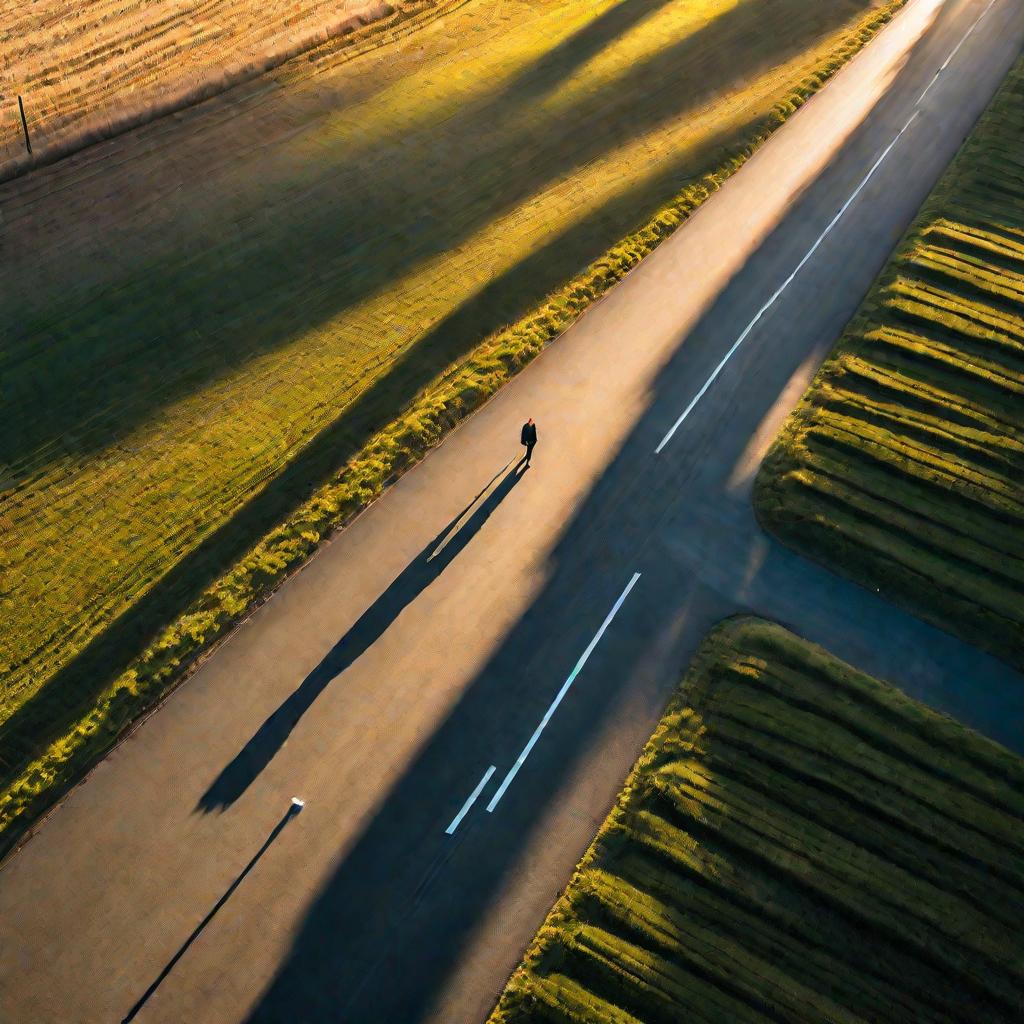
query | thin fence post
[24, 125]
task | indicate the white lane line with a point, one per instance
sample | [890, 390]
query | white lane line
[450, 830]
[935, 78]
[785, 284]
[506, 782]
[977, 21]
[956, 49]
[764, 309]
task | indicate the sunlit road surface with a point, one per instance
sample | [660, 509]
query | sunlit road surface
[459, 682]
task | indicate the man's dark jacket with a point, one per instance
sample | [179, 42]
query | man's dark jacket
[529, 434]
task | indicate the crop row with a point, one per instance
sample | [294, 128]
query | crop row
[903, 466]
[798, 842]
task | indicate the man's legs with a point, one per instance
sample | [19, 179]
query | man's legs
[529, 452]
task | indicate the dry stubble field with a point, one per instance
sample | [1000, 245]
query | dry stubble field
[208, 316]
[82, 68]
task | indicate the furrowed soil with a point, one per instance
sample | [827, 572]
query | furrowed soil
[798, 843]
[206, 317]
[903, 465]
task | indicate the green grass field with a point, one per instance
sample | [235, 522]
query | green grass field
[798, 843]
[186, 360]
[903, 466]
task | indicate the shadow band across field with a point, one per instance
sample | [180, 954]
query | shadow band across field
[371, 625]
[75, 686]
[259, 285]
[364, 237]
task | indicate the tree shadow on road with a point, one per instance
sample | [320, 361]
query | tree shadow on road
[350, 226]
[390, 934]
[57, 705]
[233, 781]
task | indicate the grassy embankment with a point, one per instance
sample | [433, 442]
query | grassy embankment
[798, 843]
[903, 465]
[172, 398]
[92, 69]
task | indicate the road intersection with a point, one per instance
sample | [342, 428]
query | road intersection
[458, 690]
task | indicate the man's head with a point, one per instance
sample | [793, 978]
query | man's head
[530, 420]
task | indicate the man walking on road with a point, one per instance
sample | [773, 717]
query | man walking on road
[529, 437]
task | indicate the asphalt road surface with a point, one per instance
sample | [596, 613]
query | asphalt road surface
[433, 639]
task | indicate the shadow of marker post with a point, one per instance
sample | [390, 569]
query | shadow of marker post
[24, 125]
[294, 808]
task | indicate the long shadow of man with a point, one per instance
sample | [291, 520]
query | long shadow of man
[243, 770]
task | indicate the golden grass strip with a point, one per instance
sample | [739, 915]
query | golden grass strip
[51, 766]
